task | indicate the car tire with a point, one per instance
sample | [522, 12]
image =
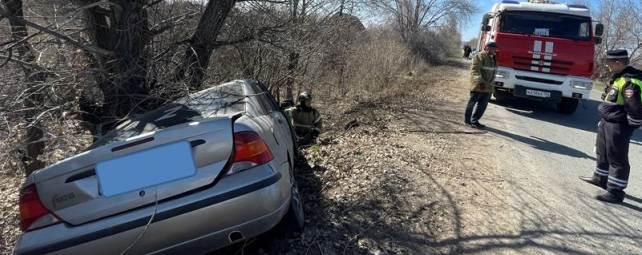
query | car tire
[568, 105]
[294, 220]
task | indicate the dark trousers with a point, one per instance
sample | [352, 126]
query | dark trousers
[478, 101]
[612, 149]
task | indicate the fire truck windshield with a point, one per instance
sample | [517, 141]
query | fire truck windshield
[546, 24]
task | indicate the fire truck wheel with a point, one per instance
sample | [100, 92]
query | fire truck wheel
[568, 105]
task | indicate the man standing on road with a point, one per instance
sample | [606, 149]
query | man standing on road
[482, 75]
[305, 119]
[621, 114]
[467, 51]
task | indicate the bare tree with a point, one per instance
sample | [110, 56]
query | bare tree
[622, 20]
[34, 77]
[413, 16]
[116, 47]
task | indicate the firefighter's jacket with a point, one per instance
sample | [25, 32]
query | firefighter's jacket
[482, 72]
[305, 120]
[623, 102]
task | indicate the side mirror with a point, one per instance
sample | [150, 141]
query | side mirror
[485, 27]
[597, 40]
[599, 29]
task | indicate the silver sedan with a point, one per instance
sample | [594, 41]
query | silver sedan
[198, 174]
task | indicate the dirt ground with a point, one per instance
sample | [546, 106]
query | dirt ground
[393, 174]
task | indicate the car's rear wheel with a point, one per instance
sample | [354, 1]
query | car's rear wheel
[568, 105]
[294, 220]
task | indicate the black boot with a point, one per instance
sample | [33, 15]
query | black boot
[477, 125]
[614, 197]
[600, 182]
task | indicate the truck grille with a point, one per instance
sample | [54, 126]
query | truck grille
[542, 65]
[540, 80]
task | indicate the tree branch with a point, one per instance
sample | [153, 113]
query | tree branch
[7, 14]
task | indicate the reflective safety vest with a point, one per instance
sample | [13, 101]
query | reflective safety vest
[616, 95]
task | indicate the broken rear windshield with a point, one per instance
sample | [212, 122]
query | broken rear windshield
[219, 100]
[546, 24]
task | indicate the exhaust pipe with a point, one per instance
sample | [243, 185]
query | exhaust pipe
[235, 236]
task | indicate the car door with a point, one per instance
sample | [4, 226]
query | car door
[285, 130]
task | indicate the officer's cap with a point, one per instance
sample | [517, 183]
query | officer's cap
[617, 54]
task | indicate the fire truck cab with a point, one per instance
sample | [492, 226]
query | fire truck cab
[545, 51]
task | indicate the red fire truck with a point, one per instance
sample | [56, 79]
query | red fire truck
[545, 51]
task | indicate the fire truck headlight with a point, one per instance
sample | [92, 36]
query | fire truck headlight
[582, 84]
[502, 74]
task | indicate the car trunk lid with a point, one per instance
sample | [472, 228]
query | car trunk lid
[97, 183]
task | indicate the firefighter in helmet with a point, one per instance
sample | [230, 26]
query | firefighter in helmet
[305, 119]
[621, 114]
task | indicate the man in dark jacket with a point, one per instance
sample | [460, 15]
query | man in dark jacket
[467, 51]
[482, 75]
[621, 114]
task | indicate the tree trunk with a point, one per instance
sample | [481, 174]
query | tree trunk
[123, 29]
[293, 58]
[202, 43]
[34, 79]
[289, 85]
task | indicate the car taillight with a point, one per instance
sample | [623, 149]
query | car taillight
[249, 151]
[31, 209]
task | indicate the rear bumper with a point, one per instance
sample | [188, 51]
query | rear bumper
[250, 202]
[560, 86]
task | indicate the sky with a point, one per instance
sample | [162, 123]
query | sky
[471, 28]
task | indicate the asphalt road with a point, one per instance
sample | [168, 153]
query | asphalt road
[541, 155]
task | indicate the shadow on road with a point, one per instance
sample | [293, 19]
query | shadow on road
[542, 224]
[627, 203]
[542, 144]
[542, 227]
[585, 118]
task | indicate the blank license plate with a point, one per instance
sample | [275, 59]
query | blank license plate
[145, 169]
[537, 93]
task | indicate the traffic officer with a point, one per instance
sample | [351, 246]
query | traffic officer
[621, 114]
[482, 75]
[305, 119]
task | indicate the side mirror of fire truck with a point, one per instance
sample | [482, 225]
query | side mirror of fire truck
[599, 30]
[484, 26]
